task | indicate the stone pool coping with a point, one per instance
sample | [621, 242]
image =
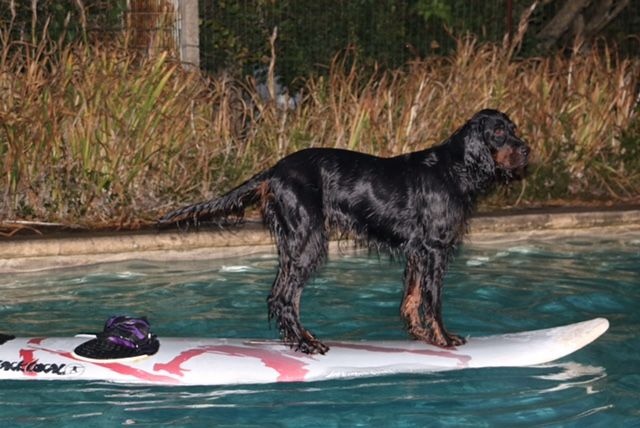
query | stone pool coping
[77, 249]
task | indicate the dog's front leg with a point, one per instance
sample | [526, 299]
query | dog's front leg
[431, 268]
[411, 306]
[432, 283]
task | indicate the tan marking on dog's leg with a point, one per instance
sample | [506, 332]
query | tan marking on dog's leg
[410, 309]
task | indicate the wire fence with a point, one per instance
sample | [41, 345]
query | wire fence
[234, 35]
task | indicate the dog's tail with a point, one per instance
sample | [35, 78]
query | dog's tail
[232, 203]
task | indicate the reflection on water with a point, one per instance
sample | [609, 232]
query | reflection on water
[572, 375]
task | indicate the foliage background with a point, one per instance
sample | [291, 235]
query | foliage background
[388, 33]
[97, 130]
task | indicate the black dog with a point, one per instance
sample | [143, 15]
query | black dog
[416, 204]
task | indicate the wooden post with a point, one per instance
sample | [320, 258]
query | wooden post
[509, 21]
[189, 39]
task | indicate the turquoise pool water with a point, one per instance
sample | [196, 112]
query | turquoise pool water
[511, 287]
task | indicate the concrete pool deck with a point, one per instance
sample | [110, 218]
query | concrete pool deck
[57, 250]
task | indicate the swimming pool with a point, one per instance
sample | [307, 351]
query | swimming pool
[489, 290]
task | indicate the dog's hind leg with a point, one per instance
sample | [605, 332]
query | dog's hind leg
[302, 245]
[284, 307]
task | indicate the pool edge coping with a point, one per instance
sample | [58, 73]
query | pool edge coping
[44, 253]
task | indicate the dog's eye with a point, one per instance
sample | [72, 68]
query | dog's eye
[499, 132]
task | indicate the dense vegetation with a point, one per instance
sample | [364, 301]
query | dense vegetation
[95, 132]
[97, 135]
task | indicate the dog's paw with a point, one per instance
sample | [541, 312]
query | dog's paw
[455, 340]
[309, 344]
[443, 340]
[448, 340]
[312, 348]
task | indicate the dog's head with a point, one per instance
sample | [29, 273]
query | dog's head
[510, 154]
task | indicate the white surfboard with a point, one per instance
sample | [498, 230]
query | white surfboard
[197, 361]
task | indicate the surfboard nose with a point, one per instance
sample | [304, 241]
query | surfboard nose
[535, 347]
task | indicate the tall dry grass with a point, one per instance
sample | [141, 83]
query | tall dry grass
[100, 136]
[580, 113]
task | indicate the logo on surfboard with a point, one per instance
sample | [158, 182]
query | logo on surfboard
[36, 367]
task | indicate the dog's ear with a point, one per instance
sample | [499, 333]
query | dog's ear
[477, 150]
[478, 125]
[480, 167]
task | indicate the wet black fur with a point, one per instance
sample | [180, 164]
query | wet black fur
[416, 205]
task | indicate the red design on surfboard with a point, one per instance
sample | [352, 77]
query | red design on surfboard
[288, 368]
